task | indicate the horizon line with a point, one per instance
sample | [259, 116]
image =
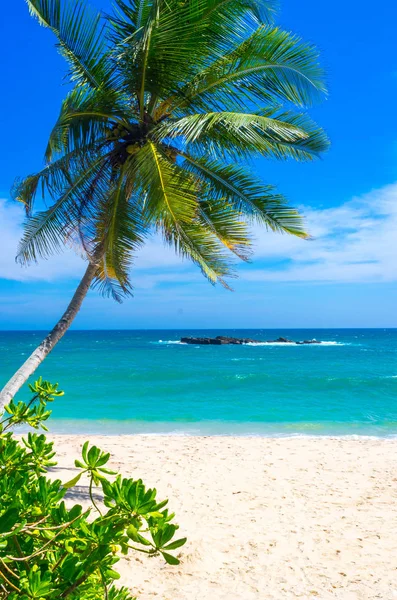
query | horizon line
[118, 329]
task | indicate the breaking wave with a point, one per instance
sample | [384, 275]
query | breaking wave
[170, 342]
[294, 345]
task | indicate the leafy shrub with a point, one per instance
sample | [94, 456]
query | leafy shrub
[49, 551]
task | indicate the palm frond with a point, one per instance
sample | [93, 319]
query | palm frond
[193, 127]
[54, 178]
[127, 20]
[227, 224]
[120, 231]
[171, 203]
[248, 195]
[154, 49]
[171, 194]
[86, 116]
[45, 233]
[80, 37]
[238, 135]
[161, 45]
[200, 244]
[270, 66]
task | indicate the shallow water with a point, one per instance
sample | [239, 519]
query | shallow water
[144, 381]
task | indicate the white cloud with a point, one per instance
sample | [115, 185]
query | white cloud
[155, 255]
[353, 242]
[57, 267]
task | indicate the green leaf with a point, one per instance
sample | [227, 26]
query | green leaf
[171, 560]
[112, 574]
[132, 533]
[75, 511]
[167, 533]
[103, 459]
[176, 544]
[107, 471]
[8, 519]
[72, 482]
[93, 455]
[84, 451]
[135, 536]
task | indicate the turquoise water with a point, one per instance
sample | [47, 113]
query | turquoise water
[144, 381]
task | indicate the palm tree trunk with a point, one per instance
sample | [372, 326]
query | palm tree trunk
[37, 357]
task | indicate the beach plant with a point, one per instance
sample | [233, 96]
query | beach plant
[52, 549]
[170, 101]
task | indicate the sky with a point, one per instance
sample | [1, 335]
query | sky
[346, 276]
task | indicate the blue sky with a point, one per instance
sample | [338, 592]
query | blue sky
[345, 277]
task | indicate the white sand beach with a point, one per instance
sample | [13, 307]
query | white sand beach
[265, 518]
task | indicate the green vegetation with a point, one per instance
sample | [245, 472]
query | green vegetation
[49, 550]
[170, 100]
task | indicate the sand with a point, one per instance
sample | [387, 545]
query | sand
[265, 518]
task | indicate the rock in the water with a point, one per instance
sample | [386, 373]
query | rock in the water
[221, 340]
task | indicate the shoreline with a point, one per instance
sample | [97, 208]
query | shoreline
[265, 518]
[228, 429]
[293, 436]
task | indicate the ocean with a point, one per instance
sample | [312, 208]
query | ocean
[148, 382]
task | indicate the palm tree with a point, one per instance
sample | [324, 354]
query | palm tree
[170, 99]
